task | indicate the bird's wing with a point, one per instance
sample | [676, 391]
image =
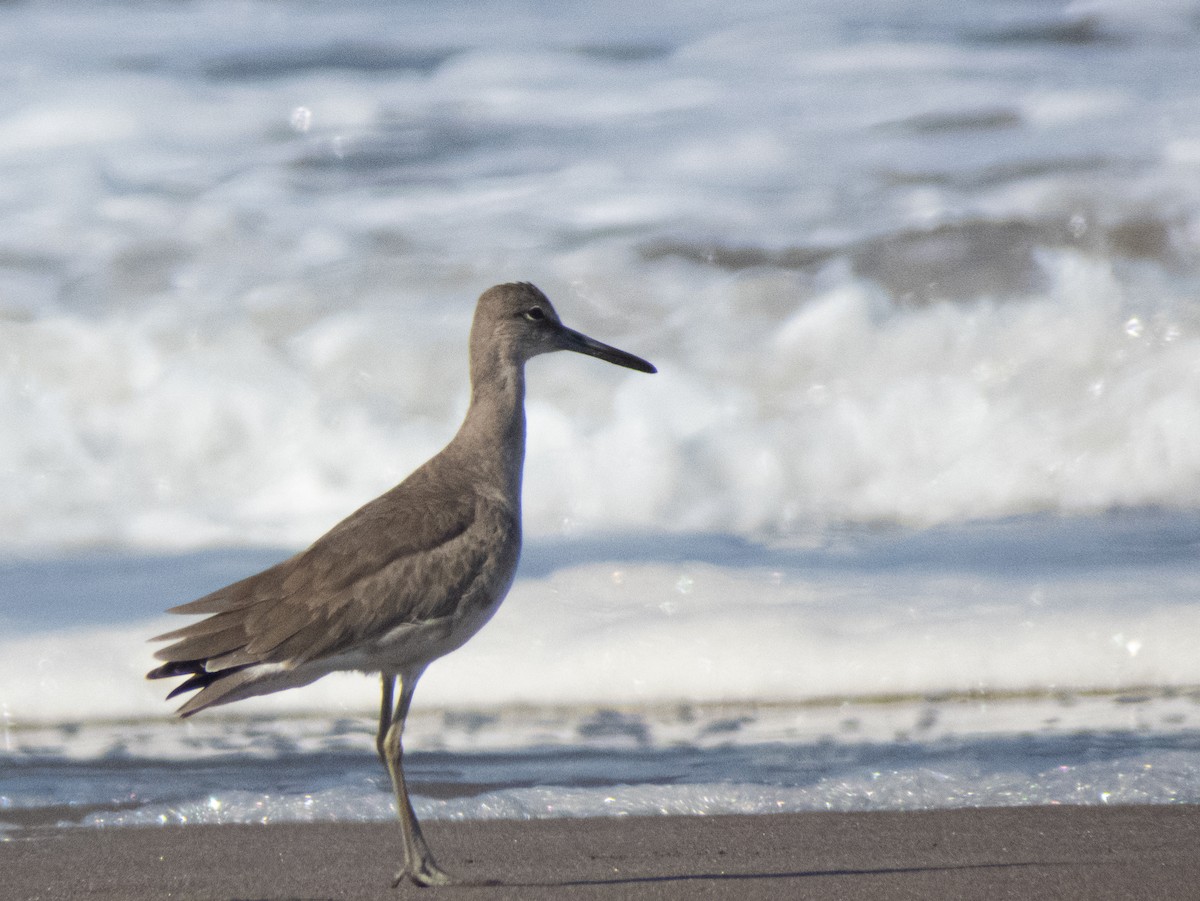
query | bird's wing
[405, 557]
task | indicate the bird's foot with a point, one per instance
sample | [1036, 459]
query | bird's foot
[424, 873]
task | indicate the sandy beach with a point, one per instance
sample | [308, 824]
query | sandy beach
[1032, 852]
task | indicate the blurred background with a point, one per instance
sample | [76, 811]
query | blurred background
[920, 279]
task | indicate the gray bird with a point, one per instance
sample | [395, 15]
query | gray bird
[403, 580]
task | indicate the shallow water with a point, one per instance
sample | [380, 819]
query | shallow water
[527, 763]
[1029, 661]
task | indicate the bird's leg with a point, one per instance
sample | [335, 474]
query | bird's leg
[385, 717]
[419, 865]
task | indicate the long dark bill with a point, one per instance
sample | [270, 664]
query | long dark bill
[581, 343]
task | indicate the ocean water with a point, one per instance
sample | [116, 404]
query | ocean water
[909, 517]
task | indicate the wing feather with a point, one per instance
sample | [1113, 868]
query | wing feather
[372, 570]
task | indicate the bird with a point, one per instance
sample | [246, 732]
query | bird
[405, 579]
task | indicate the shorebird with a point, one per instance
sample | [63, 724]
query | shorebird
[405, 579]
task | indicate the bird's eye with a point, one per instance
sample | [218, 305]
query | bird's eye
[535, 314]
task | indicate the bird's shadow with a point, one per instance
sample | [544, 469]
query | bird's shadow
[725, 877]
[796, 874]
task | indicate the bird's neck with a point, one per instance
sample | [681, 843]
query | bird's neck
[495, 421]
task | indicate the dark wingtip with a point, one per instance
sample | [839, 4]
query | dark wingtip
[198, 680]
[176, 668]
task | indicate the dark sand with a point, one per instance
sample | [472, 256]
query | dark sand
[1091, 853]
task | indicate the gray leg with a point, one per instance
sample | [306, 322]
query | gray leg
[385, 717]
[419, 865]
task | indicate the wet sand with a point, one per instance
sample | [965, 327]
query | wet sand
[1032, 852]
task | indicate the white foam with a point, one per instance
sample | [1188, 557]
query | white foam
[226, 329]
[1136, 779]
[849, 411]
[554, 762]
[782, 629]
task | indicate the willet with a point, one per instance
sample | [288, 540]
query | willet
[405, 579]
